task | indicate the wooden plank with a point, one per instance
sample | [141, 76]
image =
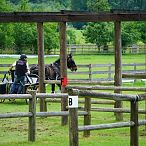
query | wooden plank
[66, 16]
[50, 95]
[106, 126]
[15, 96]
[110, 96]
[135, 75]
[58, 113]
[98, 87]
[15, 115]
[121, 110]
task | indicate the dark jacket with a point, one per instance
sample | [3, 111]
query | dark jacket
[21, 67]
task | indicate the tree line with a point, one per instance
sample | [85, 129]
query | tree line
[20, 36]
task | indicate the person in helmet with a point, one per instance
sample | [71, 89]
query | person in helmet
[21, 68]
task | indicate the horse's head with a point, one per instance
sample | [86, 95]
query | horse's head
[34, 69]
[71, 63]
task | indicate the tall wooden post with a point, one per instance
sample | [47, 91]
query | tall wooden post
[63, 69]
[32, 119]
[41, 64]
[118, 66]
[134, 129]
[87, 118]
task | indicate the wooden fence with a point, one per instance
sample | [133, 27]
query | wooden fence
[32, 114]
[87, 127]
[93, 49]
[94, 72]
[73, 112]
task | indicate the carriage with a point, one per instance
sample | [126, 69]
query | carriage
[31, 83]
[52, 72]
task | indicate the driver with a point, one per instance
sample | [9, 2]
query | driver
[21, 68]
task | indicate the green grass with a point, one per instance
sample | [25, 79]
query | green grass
[14, 131]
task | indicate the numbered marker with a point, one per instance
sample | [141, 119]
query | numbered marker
[73, 101]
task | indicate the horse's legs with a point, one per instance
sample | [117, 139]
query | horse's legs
[53, 88]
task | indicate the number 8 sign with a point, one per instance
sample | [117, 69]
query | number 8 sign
[73, 101]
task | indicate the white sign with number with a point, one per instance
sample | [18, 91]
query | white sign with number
[73, 101]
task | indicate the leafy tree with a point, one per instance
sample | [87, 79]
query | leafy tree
[128, 5]
[24, 6]
[130, 33]
[6, 36]
[142, 29]
[71, 36]
[5, 6]
[78, 5]
[99, 33]
[25, 36]
[51, 37]
[98, 5]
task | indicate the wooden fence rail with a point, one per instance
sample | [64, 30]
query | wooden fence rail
[94, 72]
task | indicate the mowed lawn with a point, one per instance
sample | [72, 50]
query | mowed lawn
[14, 131]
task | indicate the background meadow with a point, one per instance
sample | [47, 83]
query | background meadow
[14, 131]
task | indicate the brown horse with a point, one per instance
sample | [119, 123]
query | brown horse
[52, 71]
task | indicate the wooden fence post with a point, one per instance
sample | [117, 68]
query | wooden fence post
[87, 118]
[134, 70]
[63, 68]
[73, 121]
[32, 119]
[118, 66]
[134, 129]
[110, 71]
[73, 126]
[90, 72]
[41, 64]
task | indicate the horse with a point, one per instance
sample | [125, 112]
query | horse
[52, 71]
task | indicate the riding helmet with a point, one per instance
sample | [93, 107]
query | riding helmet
[23, 56]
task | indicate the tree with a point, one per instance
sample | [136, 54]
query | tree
[98, 5]
[51, 36]
[142, 29]
[128, 5]
[5, 6]
[99, 33]
[6, 36]
[25, 37]
[130, 33]
[78, 5]
[71, 36]
[24, 6]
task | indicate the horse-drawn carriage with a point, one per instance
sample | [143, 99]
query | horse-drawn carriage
[52, 72]
[31, 83]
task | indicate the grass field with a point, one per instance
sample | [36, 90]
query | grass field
[14, 132]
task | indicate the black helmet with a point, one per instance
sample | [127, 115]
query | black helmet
[23, 56]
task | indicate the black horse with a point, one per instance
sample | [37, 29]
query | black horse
[52, 71]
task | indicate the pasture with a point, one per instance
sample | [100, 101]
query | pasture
[14, 132]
